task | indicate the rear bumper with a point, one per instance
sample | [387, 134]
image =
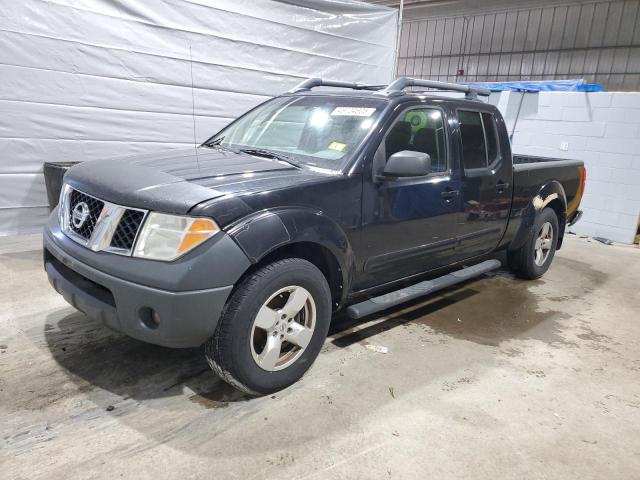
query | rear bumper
[186, 318]
[574, 217]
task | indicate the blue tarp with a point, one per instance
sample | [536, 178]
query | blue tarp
[578, 85]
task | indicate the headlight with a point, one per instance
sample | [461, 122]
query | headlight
[167, 237]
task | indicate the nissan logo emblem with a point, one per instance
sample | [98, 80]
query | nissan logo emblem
[79, 214]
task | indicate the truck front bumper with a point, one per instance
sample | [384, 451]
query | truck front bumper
[163, 317]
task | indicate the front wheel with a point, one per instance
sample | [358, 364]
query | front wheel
[272, 327]
[534, 257]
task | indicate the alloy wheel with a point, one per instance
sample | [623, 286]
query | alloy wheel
[543, 244]
[283, 328]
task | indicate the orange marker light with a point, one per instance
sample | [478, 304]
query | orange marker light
[198, 232]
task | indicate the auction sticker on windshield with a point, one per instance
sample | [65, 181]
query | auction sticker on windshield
[353, 111]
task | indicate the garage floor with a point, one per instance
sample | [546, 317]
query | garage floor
[498, 378]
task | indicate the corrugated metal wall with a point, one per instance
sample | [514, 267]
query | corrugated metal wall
[598, 41]
[89, 79]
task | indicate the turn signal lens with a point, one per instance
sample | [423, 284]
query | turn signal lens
[199, 231]
[167, 237]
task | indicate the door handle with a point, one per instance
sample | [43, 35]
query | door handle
[501, 186]
[449, 193]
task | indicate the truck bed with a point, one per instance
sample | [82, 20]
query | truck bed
[528, 177]
[518, 159]
[530, 173]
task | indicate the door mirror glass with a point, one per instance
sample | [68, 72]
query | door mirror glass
[408, 163]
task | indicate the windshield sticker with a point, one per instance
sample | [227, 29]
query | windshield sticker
[337, 146]
[353, 111]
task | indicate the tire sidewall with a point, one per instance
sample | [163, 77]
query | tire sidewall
[296, 272]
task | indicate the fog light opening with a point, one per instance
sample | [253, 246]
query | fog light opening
[149, 317]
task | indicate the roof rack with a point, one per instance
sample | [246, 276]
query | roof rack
[394, 88]
[397, 87]
[310, 83]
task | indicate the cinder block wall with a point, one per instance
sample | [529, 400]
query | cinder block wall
[603, 130]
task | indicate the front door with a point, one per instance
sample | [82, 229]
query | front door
[409, 224]
[487, 187]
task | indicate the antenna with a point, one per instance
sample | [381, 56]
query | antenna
[193, 109]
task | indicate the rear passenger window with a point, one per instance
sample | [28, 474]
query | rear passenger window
[479, 139]
[491, 133]
[474, 151]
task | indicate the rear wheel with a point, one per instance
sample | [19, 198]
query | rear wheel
[533, 259]
[272, 327]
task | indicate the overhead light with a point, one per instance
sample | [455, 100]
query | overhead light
[366, 124]
[319, 118]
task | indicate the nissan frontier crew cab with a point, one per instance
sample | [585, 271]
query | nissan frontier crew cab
[358, 197]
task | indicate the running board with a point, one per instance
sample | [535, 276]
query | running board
[406, 294]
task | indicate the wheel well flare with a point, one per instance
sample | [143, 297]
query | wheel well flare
[316, 254]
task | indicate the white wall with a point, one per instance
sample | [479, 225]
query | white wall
[89, 79]
[603, 130]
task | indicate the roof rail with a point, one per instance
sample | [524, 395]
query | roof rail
[310, 83]
[397, 87]
[394, 88]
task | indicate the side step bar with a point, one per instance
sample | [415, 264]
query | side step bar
[391, 299]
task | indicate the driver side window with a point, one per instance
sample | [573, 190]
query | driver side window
[419, 130]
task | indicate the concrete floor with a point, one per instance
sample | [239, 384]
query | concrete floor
[499, 378]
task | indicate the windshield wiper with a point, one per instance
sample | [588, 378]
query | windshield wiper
[214, 143]
[260, 152]
[217, 143]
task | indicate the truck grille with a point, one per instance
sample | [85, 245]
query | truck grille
[98, 224]
[94, 206]
[127, 229]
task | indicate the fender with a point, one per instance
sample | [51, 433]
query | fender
[268, 230]
[549, 192]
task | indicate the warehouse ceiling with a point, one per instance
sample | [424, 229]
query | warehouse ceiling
[415, 9]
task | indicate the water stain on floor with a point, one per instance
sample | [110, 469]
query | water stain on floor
[207, 402]
[95, 358]
[502, 309]
[487, 311]
[219, 397]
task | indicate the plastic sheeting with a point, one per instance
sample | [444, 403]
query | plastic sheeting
[93, 79]
[578, 85]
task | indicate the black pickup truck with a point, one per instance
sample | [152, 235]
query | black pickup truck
[359, 197]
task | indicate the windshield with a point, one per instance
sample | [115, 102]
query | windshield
[313, 130]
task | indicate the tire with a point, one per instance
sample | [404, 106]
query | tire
[528, 262]
[242, 350]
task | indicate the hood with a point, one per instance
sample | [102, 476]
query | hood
[176, 180]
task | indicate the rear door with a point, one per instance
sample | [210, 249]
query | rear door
[486, 187]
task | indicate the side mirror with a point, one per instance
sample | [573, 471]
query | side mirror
[407, 163]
